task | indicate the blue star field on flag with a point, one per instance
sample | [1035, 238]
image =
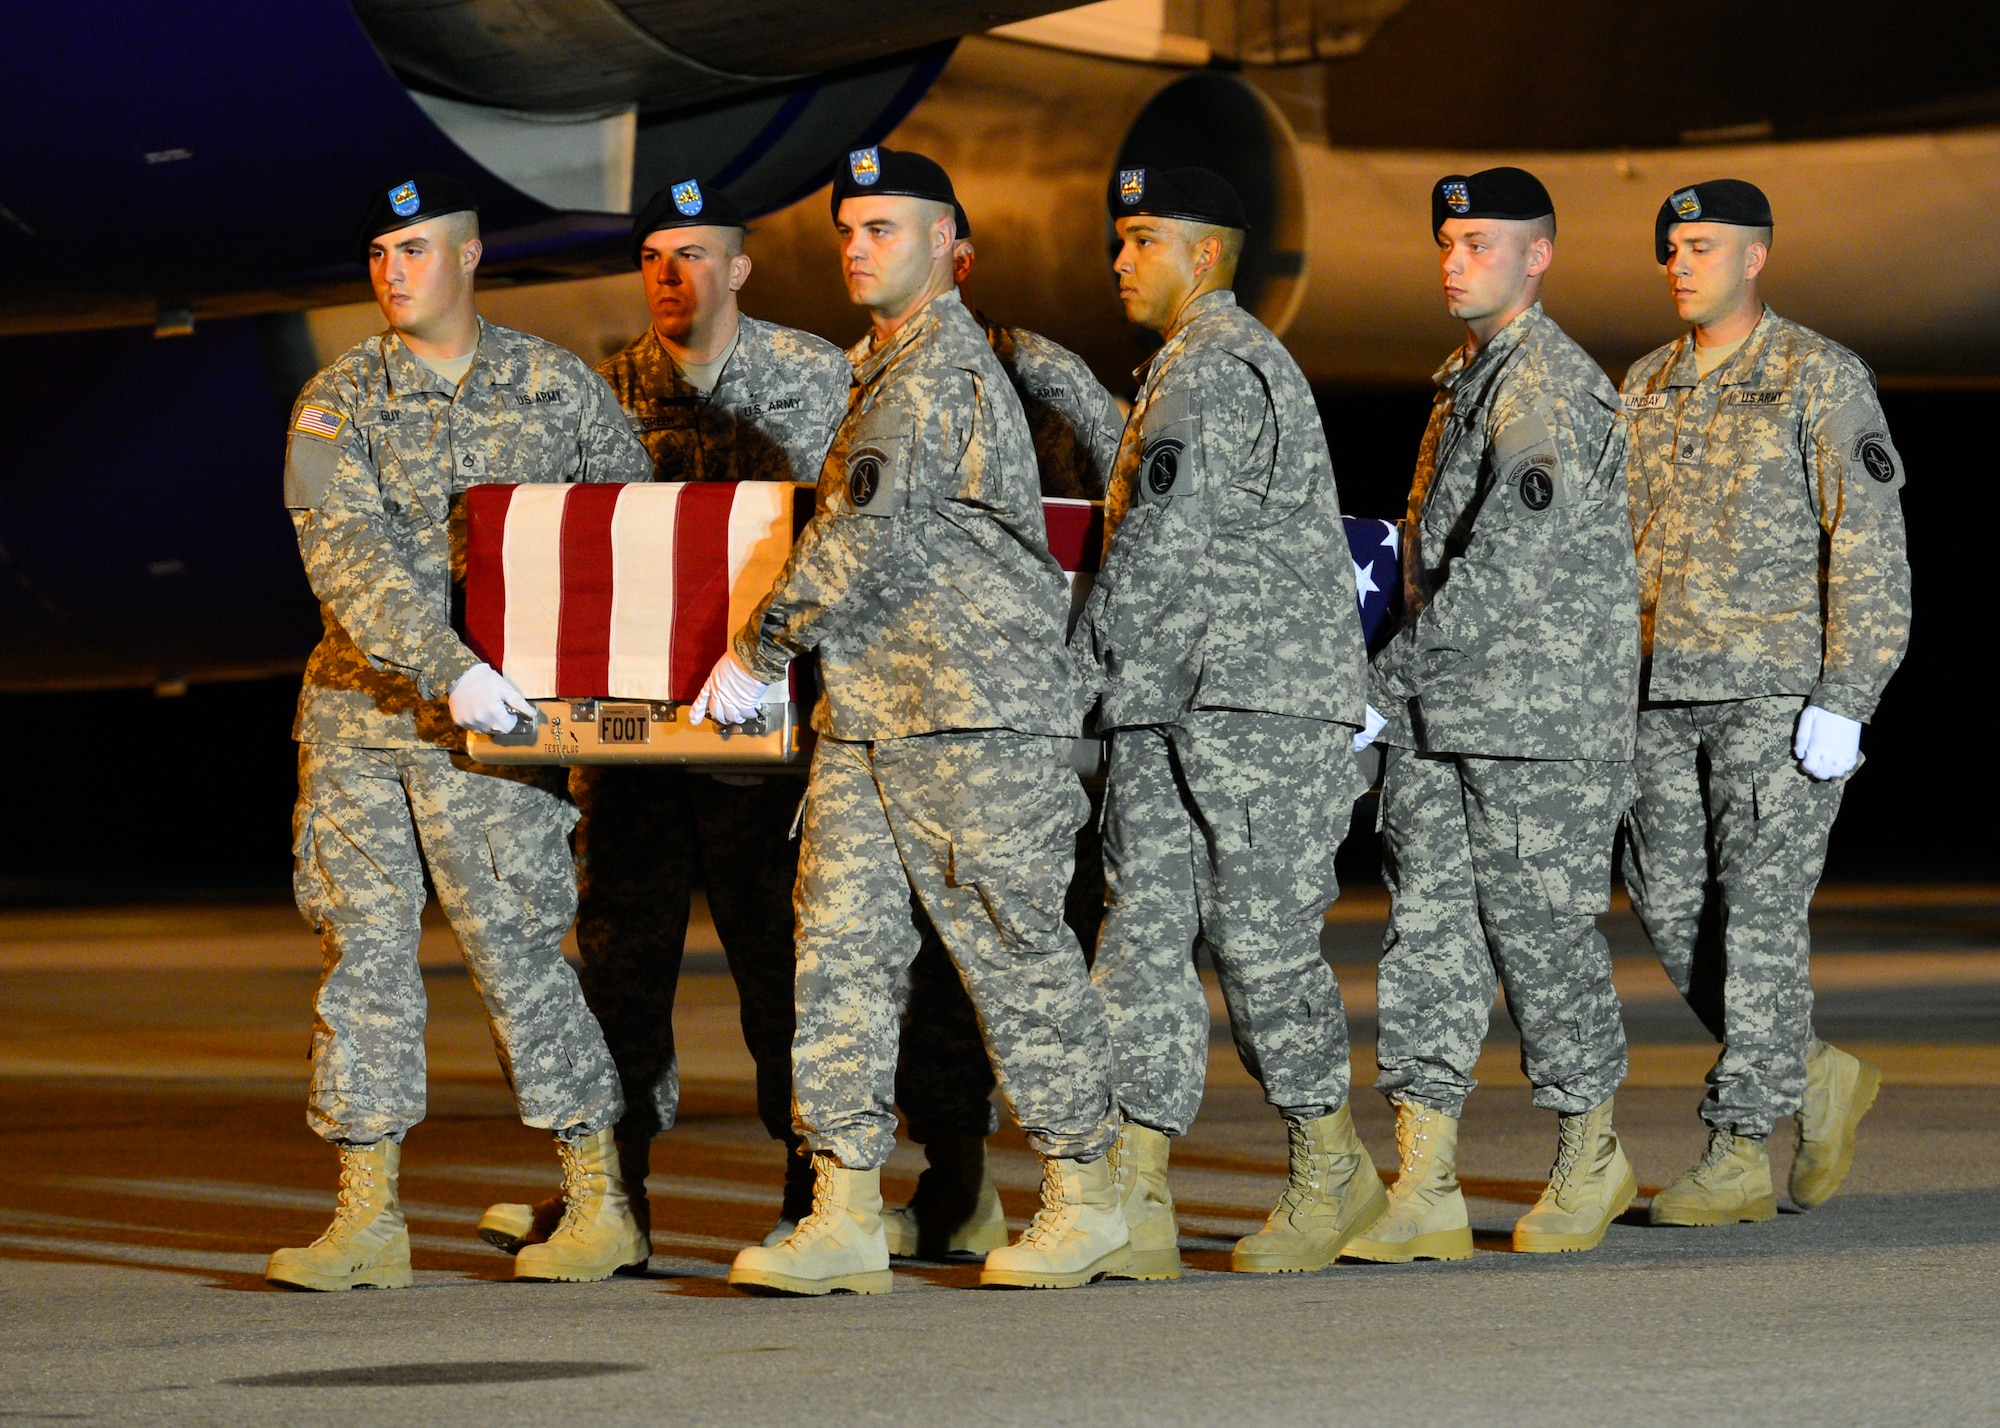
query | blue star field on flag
[1373, 545]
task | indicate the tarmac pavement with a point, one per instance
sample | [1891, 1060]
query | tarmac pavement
[153, 1152]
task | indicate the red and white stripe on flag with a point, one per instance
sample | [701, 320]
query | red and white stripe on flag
[620, 591]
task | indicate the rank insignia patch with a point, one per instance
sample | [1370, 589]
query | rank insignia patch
[687, 198]
[1131, 185]
[1687, 203]
[318, 421]
[403, 200]
[1457, 195]
[865, 166]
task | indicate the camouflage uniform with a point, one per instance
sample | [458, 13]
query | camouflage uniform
[941, 782]
[1224, 621]
[1510, 693]
[1772, 574]
[944, 1081]
[380, 448]
[650, 835]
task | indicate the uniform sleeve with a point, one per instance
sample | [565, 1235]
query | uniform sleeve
[334, 494]
[1208, 449]
[1107, 428]
[1495, 587]
[610, 452]
[832, 381]
[861, 543]
[1857, 477]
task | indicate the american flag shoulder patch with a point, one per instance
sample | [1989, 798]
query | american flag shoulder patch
[318, 421]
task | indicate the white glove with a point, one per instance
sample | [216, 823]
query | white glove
[484, 700]
[1828, 744]
[1376, 720]
[732, 693]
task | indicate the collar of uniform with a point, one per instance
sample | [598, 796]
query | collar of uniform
[1744, 364]
[499, 360]
[1215, 300]
[493, 365]
[921, 321]
[663, 369]
[1459, 366]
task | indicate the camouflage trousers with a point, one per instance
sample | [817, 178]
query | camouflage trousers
[367, 825]
[975, 831]
[944, 1081]
[648, 838]
[1221, 830]
[1498, 865]
[1723, 848]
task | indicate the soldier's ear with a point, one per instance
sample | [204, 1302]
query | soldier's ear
[739, 271]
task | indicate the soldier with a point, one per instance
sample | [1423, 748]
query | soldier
[715, 396]
[941, 782]
[944, 1081]
[1775, 603]
[1223, 622]
[382, 442]
[1509, 697]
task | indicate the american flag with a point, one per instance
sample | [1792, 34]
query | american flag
[318, 421]
[1373, 544]
[621, 591]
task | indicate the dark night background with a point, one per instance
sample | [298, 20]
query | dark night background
[122, 795]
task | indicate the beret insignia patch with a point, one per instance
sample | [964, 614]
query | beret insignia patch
[403, 200]
[1457, 195]
[1687, 203]
[864, 166]
[864, 478]
[1163, 465]
[687, 198]
[1131, 185]
[1871, 449]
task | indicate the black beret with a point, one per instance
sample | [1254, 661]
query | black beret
[685, 204]
[1194, 194]
[876, 170]
[1717, 201]
[413, 200]
[1513, 194]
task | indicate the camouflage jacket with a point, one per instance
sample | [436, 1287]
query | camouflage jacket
[1520, 633]
[775, 405]
[379, 451]
[1075, 422]
[1227, 582]
[1770, 531]
[924, 578]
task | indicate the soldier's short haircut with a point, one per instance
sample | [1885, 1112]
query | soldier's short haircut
[1231, 240]
[460, 228]
[1543, 227]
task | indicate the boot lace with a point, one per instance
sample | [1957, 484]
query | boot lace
[357, 1189]
[1411, 1152]
[1569, 1151]
[1721, 1147]
[575, 1184]
[1307, 1171]
[1050, 1222]
[825, 1213]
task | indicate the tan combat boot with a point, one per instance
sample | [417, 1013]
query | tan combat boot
[955, 1209]
[1139, 1164]
[509, 1226]
[839, 1246]
[1426, 1217]
[1335, 1194]
[597, 1236]
[1839, 1090]
[1078, 1235]
[1731, 1182]
[1591, 1185]
[798, 1196]
[367, 1246]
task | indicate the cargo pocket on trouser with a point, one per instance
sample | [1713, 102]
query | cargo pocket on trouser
[531, 862]
[308, 881]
